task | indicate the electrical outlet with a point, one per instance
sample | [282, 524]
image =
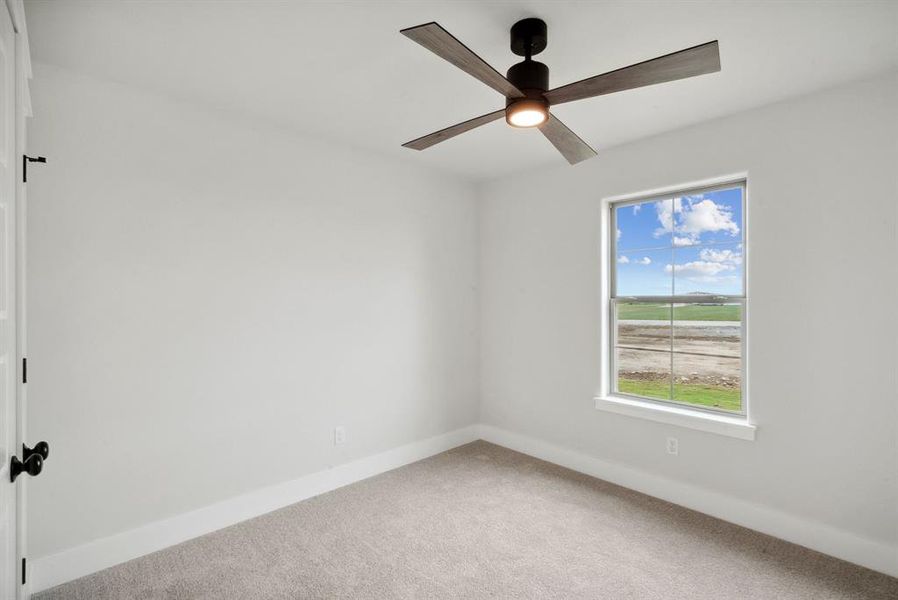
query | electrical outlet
[673, 446]
[339, 435]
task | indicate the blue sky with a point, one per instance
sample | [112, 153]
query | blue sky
[681, 245]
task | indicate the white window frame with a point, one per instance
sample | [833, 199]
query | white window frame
[728, 423]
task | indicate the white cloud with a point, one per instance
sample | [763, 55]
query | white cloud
[687, 218]
[707, 215]
[637, 208]
[666, 209]
[625, 260]
[720, 256]
[700, 268]
[619, 233]
[713, 266]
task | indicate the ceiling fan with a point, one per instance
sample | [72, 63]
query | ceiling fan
[526, 84]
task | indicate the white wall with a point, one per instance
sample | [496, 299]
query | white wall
[823, 329]
[210, 297]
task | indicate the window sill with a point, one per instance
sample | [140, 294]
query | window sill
[737, 427]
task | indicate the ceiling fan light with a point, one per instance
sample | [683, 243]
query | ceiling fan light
[526, 113]
[527, 117]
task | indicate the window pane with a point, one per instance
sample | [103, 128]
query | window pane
[643, 340]
[643, 273]
[707, 363]
[707, 270]
[643, 225]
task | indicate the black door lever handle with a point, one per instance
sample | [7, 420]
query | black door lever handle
[32, 465]
[42, 449]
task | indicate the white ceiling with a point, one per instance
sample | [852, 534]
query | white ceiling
[342, 70]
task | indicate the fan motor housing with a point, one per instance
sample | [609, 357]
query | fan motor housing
[529, 75]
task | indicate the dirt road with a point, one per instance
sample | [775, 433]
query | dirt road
[705, 352]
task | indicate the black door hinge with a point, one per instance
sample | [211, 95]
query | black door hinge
[27, 159]
[24, 370]
[23, 570]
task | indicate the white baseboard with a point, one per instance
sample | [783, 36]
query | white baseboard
[100, 554]
[873, 554]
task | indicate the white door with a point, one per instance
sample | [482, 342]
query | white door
[8, 350]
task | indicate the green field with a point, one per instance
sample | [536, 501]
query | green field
[638, 311]
[702, 395]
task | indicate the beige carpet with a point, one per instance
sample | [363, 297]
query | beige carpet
[481, 521]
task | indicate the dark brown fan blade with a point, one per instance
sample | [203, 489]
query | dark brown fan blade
[697, 60]
[566, 141]
[445, 45]
[444, 134]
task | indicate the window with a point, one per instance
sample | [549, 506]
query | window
[677, 299]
